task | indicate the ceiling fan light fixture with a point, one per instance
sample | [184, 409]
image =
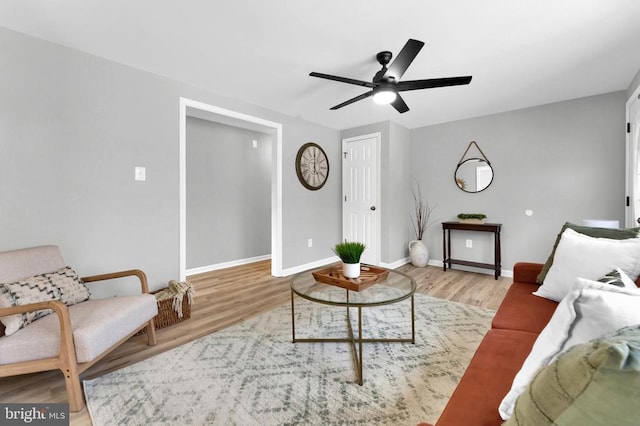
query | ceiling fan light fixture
[384, 96]
[386, 85]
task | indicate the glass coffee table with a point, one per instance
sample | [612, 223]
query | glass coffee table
[395, 288]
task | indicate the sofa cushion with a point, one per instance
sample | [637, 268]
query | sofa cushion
[64, 285]
[512, 316]
[595, 383]
[612, 233]
[579, 255]
[487, 378]
[97, 326]
[592, 309]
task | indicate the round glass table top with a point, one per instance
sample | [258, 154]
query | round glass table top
[396, 287]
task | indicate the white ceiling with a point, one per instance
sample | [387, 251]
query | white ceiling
[520, 53]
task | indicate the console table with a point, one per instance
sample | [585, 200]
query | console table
[494, 228]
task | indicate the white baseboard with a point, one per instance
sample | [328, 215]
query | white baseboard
[329, 260]
[503, 273]
[223, 265]
[396, 264]
[311, 265]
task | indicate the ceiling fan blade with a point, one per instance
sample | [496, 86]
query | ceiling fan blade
[400, 105]
[343, 79]
[403, 86]
[352, 100]
[404, 58]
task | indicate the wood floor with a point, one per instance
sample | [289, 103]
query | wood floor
[230, 296]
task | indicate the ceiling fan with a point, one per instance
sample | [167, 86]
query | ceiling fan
[386, 84]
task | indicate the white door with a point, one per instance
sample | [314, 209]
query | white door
[633, 161]
[361, 194]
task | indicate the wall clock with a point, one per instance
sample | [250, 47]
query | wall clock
[312, 166]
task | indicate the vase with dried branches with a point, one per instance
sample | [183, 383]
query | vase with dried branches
[418, 251]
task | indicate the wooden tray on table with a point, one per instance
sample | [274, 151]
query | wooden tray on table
[369, 275]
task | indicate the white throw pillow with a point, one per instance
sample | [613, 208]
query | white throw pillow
[579, 255]
[591, 310]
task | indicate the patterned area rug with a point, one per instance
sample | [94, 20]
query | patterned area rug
[251, 373]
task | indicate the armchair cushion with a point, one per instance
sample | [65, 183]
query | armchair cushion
[64, 285]
[97, 325]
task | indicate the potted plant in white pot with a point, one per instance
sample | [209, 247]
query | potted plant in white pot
[350, 252]
[418, 251]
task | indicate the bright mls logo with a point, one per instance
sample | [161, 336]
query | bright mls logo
[34, 414]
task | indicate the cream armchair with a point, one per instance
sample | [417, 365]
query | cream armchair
[72, 338]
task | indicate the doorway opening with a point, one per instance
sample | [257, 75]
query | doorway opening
[191, 108]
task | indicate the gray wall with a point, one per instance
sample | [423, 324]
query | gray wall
[311, 214]
[396, 192]
[228, 193]
[72, 129]
[395, 177]
[564, 161]
[74, 126]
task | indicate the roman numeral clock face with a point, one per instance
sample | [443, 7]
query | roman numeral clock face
[312, 166]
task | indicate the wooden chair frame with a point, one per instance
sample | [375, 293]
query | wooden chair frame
[66, 360]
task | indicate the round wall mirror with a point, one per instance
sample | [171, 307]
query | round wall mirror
[474, 175]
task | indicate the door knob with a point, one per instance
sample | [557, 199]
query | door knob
[374, 207]
[638, 220]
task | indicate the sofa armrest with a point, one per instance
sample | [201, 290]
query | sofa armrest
[526, 272]
[133, 272]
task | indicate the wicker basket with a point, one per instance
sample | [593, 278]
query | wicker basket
[167, 315]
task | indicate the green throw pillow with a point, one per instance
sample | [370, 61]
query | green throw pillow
[612, 233]
[595, 383]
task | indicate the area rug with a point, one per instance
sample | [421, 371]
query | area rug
[252, 374]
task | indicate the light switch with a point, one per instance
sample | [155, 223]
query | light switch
[255, 143]
[140, 173]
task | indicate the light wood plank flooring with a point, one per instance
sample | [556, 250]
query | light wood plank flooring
[232, 295]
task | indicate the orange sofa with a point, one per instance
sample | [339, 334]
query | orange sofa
[515, 327]
[489, 376]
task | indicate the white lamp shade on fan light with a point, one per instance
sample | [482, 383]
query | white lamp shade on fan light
[601, 223]
[383, 97]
